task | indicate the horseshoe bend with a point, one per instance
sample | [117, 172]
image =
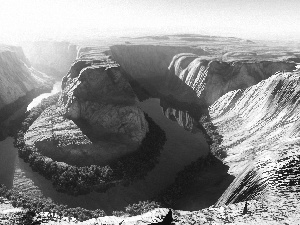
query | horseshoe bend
[152, 129]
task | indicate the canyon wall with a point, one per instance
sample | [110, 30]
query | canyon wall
[17, 77]
[211, 79]
[260, 138]
[51, 57]
[19, 84]
[190, 74]
[253, 112]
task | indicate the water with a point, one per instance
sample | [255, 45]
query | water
[181, 148]
[56, 88]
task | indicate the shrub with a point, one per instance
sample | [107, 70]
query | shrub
[37, 205]
[141, 207]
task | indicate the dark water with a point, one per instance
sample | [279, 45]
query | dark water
[181, 148]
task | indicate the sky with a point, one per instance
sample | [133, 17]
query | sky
[253, 19]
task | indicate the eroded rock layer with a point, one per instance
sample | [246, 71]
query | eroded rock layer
[95, 120]
[190, 74]
[211, 79]
[260, 138]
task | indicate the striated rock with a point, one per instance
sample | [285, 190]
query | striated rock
[95, 120]
[211, 79]
[51, 57]
[190, 74]
[260, 134]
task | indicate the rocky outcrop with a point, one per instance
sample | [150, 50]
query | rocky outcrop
[51, 57]
[95, 120]
[260, 134]
[211, 79]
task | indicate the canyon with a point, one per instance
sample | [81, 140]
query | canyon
[19, 83]
[51, 57]
[222, 111]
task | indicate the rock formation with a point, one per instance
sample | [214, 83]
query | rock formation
[211, 79]
[95, 119]
[192, 76]
[260, 134]
[254, 111]
[51, 57]
[17, 76]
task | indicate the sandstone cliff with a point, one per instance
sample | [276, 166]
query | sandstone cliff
[211, 79]
[190, 74]
[260, 134]
[95, 120]
[51, 57]
[17, 77]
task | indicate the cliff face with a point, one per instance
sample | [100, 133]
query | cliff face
[260, 129]
[255, 113]
[148, 64]
[190, 74]
[52, 58]
[95, 120]
[211, 79]
[17, 77]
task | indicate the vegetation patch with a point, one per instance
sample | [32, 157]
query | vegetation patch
[9, 128]
[36, 205]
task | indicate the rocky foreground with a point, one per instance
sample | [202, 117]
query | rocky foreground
[285, 211]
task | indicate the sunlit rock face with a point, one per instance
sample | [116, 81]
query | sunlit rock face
[51, 57]
[17, 77]
[210, 79]
[260, 129]
[95, 120]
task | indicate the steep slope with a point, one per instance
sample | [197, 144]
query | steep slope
[260, 138]
[95, 120]
[258, 125]
[189, 74]
[211, 79]
[19, 84]
[17, 77]
[51, 57]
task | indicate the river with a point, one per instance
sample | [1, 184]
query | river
[181, 148]
[56, 88]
